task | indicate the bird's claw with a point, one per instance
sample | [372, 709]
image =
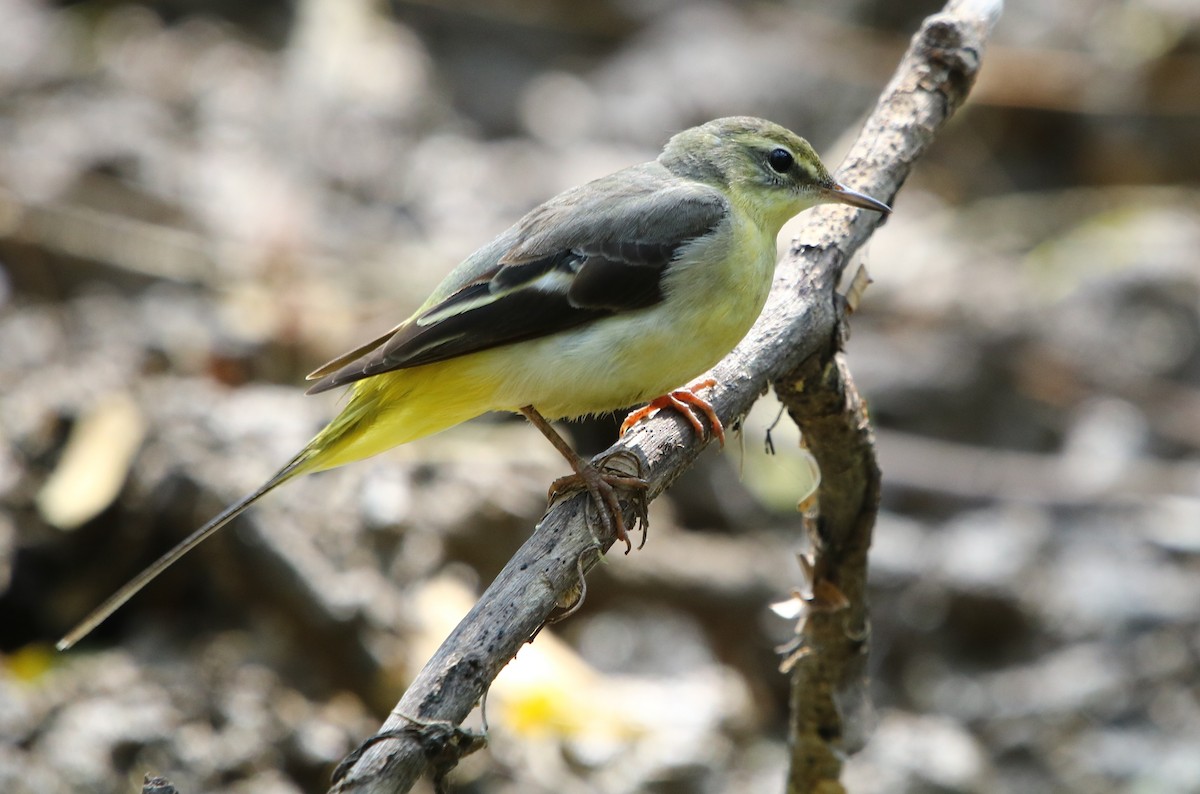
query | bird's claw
[684, 401]
[601, 481]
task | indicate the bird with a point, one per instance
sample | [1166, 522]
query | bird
[616, 292]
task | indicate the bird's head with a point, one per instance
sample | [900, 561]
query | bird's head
[769, 170]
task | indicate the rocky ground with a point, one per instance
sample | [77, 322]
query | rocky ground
[200, 202]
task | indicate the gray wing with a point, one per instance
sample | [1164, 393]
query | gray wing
[592, 252]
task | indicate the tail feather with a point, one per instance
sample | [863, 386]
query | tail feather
[300, 464]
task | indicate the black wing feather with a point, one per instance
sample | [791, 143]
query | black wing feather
[623, 276]
[599, 278]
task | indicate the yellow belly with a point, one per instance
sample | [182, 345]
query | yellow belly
[711, 302]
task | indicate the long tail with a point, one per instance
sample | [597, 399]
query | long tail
[382, 412]
[300, 464]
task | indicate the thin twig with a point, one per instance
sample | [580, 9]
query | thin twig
[827, 661]
[799, 320]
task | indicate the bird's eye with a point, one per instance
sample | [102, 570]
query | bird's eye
[780, 160]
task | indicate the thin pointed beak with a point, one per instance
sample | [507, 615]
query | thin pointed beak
[841, 194]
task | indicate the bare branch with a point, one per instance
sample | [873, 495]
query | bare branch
[828, 659]
[800, 320]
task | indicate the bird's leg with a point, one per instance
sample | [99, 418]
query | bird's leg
[682, 400]
[600, 484]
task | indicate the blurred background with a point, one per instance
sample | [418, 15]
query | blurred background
[202, 200]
